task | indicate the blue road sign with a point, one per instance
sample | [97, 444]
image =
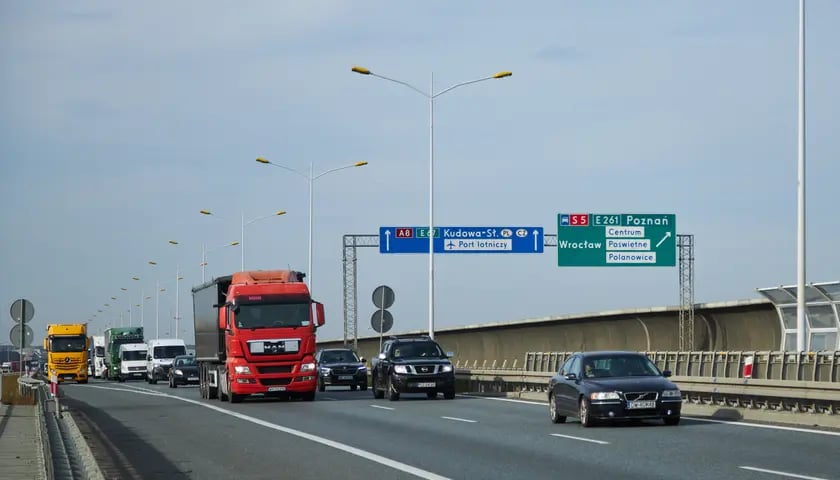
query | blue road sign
[462, 240]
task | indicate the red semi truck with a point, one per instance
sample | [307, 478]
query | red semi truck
[255, 335]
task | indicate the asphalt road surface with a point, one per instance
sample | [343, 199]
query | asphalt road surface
[137, 430]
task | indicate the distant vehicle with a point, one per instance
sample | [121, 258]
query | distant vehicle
[412, 365]
[132, 361]
[114, 337]
[159, 359]
[67, 346]
[609, 386]
[341, 366]
[99, 368]
[184, 371]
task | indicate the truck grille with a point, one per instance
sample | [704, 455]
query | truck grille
[275, 369]
[136, 369]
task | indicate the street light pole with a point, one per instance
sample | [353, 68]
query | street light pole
[157, 308]
[311, 210]
[177, 298]
[242, 244]
[311, 177]
[801, 317]
[203, 260]
[431, 95]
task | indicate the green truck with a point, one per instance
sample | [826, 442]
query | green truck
[114, 337]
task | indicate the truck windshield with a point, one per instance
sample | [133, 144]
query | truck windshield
[68, 344]
[262, 315]
[130, 355]
[100, 351]
[169, 351]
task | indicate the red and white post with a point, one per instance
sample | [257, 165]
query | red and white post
[748, 367]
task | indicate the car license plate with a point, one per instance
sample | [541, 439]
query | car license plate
[192, 378]
[345, 377]
[276, 389]
[641, 404]
[425, 384]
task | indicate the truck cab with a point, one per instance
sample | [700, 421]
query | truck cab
[67, 348]
[132, 361]
[99, 356]
[160, 355]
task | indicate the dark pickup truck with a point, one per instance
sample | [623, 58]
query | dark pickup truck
[412, 365]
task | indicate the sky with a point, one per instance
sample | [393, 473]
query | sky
[121, 120]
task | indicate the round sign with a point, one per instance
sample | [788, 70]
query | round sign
[383, 296]
[14, 336]
[17, 310]
[382, 321]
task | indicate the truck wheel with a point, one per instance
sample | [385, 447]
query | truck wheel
[236, 398]
[449, 394]
[83, 381]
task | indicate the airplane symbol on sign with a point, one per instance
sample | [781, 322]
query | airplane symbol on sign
[450, 245]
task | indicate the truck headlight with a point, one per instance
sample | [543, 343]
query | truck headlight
[604, 396]
[400, 369]
[671, 394]
[179, 372]
[307, 367]
[242, 369]
[446, 368]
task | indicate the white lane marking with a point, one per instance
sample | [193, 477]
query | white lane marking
[601, 442]
[328, 398]
[771, 427]
[308, 436]
[383, 408]
[710, 420]
[783, 474]
[512, 400]
[461, 419]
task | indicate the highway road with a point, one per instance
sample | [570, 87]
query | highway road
[152, 431]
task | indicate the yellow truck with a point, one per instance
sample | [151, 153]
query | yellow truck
[67, 346]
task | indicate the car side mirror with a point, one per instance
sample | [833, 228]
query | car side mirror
[362, 359]
[382, 356]
[571, 376]
[666, 373]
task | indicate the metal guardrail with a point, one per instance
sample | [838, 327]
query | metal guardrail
[804, 382]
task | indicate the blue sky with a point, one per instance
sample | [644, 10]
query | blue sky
[122, 120]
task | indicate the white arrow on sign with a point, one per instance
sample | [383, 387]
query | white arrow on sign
[387, 240]
[667, 234]
[536, 240]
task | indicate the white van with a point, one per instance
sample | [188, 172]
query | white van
[159, 359]
[132, 361]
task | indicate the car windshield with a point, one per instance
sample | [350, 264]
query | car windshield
[185, 362]
[416, 350]
[263, 315]
[341, 356]
[68, 344]
[619, 366]
[134, 355]
[169, 351]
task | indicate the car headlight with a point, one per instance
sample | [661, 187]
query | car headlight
[179, 372]
[362, 368]
[671, 394]
[604, 396]
[400, 369]
[307, 367]
[242, 369]
[446, 368]
[325, 370]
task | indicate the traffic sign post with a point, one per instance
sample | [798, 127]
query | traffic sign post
[382, 320]
[462, 240]
[22, 312]
[616, 240]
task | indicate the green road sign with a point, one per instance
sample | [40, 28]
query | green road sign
[616, 240]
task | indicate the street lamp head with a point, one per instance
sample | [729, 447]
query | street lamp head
[360, 164]
[135, 278]
[162, 289]
[113, 298]
[203, 264]
[361, 70]
[502, 74]
[205, 212]
[233, 244]
[106, 305]
[180, 278]
[262, 160]
[173, 242]
[152, 262]
[124, 289]
[280, 212]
